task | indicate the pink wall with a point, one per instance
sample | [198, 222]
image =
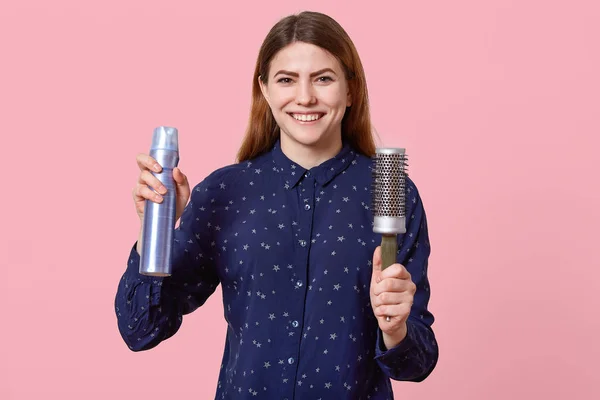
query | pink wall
[496, 101]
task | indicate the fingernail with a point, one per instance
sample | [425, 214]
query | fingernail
[162, 190]
[156, 167]
[158, 197]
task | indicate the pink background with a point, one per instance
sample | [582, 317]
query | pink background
[496, 101]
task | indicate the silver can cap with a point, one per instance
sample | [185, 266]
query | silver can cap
[165, 138]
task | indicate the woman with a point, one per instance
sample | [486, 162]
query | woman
[287, 233]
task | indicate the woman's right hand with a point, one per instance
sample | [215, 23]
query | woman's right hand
[142, 190]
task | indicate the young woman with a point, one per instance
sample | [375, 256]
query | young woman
[287, 233]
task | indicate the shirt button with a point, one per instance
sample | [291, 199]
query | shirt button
[299, 284]
[303, 243]
[290, 360]
[307, 207]
[295, 324]
[307, 174]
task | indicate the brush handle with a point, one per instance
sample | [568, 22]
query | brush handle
[389, 248]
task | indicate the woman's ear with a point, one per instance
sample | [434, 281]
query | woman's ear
[263, 89]
[348, 98]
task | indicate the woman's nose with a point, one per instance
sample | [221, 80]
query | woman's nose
[305, 94]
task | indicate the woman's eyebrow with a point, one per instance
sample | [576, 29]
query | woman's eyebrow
[295, 74]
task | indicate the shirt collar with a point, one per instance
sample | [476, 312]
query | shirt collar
[322, 173]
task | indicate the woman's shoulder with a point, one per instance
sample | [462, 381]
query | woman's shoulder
[227, 176]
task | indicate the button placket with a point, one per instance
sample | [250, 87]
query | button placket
[306, 193]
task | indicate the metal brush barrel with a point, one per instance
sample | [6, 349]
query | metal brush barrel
[159, 218]
[389, 191]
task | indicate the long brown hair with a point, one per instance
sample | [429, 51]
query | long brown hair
[321, 30]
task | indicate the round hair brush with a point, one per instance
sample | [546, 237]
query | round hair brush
[389, 200]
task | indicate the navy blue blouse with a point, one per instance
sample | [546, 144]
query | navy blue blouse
[292, 250]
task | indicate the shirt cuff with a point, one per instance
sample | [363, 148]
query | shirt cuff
[152, 283]
[395, 356]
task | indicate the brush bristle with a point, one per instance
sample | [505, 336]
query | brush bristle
[388, 189]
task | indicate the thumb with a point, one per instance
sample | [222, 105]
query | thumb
[377, 261]
[178, 176]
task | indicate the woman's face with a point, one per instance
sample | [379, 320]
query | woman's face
[308, 95]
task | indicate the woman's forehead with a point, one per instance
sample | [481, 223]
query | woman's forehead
[301, 57]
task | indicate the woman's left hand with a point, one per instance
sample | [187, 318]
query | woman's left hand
[392, 294]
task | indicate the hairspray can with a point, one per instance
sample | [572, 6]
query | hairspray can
[159, 218]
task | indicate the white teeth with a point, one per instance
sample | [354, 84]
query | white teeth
[306, 117]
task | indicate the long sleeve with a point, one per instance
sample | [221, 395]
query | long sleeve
[416, 356]
[151, 309]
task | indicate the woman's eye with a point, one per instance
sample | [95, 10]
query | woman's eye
[284, 80]
[325, 79]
